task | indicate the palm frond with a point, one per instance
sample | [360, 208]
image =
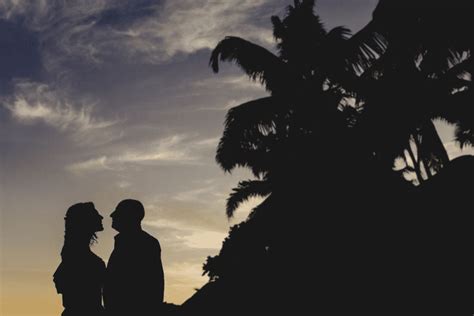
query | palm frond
[302, 4]
[249, 134]
[461, 107]
[308, 4]
[464, 135]
[439, 32]
[365, 47]
[339, 33]
[278, 27]
[299, 37]
[455, 77]
[258, 160]
[244, 191]
[257, 62]
[463, 67]
[453, 91]
[457, 109]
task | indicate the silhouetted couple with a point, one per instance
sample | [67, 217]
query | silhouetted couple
[131, 284]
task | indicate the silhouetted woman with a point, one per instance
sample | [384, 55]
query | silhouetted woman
[79, 277]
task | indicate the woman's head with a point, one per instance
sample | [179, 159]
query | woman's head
[83, 220]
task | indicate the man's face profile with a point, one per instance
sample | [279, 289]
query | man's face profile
[127, 215]
[117, 219]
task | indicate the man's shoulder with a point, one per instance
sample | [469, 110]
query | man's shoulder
[150, 240]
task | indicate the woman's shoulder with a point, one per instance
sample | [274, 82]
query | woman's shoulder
[97, 260]
[89, 261]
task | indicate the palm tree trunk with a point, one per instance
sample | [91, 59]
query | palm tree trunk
[422, 155]
[440, 149]
[430, 148]
[415, 162]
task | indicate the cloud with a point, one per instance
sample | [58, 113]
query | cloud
[196, 194]
[191, 236]
[182, 278]
[227, 105]
[34, 102]
[188, 26]
[166, 149]
[95, 31]
[188, 235]
[184, 250]
[195, 208]
[95, 164]
[175, 149]
[234, 82]
[233, 86]
[123, 184]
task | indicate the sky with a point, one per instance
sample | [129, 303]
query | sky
[104, 100]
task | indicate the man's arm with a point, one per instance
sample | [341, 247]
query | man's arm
[158, 273]
[151, 278]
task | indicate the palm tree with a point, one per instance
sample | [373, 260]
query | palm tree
[303, 82]
[429, 49]
[329, 91]
[313, 64]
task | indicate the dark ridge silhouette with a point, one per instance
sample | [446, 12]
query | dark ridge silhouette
[134, 283]
[80, 275]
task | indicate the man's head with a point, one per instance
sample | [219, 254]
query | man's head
[128, 216]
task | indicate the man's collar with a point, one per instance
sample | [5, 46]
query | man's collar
[125, 235]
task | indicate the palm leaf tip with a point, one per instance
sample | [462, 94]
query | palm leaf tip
[307, 4]
[339, 33]
[214, 60]
[244, 191]
[258, 63]
[278, 28]
[225, 50]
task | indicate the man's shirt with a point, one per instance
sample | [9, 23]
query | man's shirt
[134, 278]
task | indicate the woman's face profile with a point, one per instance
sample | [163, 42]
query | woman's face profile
[97, 221]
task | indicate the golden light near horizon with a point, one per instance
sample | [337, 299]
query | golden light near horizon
[181, 277]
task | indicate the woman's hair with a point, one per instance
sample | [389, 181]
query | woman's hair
[79, 222]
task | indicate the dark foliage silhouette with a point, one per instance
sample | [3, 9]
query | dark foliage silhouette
[134, 283]
[261, 134]
[340, 230]
[425, 68]
[80, 275]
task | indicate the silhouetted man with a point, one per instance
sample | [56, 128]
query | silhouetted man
[134, 282]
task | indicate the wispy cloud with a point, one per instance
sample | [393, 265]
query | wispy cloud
[226, 106]
[175, 149]
[204, 197]
[204, 193]
[191, 236]
[188, 26]
[34, 102]
[186, 248]
[234, 82]
[94, 164]
[123, 184]
[143, 31]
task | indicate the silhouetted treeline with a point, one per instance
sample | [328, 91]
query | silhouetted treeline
[347, 121]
